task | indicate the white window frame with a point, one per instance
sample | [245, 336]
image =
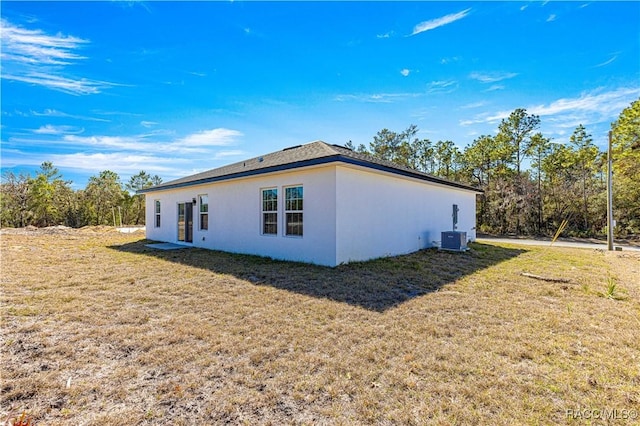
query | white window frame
[157, 208]
[203, 213]
[264, 212]
[293, 206]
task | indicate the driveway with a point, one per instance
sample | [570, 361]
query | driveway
[558, 243]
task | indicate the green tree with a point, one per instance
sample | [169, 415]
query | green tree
[538, 150]
[586, 154]
[14, 200]
[515, 134]
[626, 167]
[47, 201]
[394, 147]
[103, 194]
[135, 202]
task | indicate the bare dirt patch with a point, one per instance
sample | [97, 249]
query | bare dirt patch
[97, 329]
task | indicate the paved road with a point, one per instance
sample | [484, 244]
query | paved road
[558, 243]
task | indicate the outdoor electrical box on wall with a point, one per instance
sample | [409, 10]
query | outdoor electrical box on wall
[454, 240]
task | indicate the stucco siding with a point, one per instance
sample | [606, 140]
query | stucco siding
[379, 214]
[235, 216]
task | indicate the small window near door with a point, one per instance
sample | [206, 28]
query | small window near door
[204, 212]
[157, 214]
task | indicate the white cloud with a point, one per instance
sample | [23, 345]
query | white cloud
[34, 46]
[473, 105]
[442, 86]
[492, 77]
[385, 35]
[593, 107]
[213, 137]
[495, 87]
[405, 72]
[34, 57]
[439, 22]
[602, 104]
[57, 130]
[552, 17]
[607, 62]
[445, 61]
[524, 7]
[196, 143]
[159, 153]
[377, 97]
[148, 124]
[63, 84]
[121, 162]
[55, 113]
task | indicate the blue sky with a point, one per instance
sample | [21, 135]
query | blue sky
[176, 88]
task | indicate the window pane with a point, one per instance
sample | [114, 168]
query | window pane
[204, 203]
[270, 223]
[294, 224]
[158, 207]
[204, 221]
[157, 221]
[293, 198]
[269, 200]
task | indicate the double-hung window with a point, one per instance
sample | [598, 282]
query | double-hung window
[157, 213]
[293, 210]
[270, 211]
[204, 212]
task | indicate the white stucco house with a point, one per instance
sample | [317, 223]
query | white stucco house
[316, 203]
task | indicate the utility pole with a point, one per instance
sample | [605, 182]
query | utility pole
[609, 197]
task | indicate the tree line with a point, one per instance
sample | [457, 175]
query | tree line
[46, 199]
[531, 184]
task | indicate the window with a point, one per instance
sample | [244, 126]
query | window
[157, 213]
[270, 211]
[204, 212]
[293, 210]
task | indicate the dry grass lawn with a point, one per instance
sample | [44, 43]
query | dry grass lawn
[97, 329]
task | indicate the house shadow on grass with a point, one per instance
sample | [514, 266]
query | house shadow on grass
[376, 285]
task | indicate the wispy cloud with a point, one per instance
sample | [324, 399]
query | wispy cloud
[449, 60]
[213, 137]
[58, 130]
[494, 87]
[593, 107]
[36, 47]
[405, 72]
[442, 86]
[607, 62]
[161, 153]
[473, 105]
[552, 17]
[148, 124]
[492, 77]
[35, 57]
[439, 22]
[376, 97]
[72, 86]
[388, 34]
[56, 113]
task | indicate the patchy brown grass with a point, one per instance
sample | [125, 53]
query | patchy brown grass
[97, 329]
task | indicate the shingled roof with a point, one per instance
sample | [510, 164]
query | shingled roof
[310, 154]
